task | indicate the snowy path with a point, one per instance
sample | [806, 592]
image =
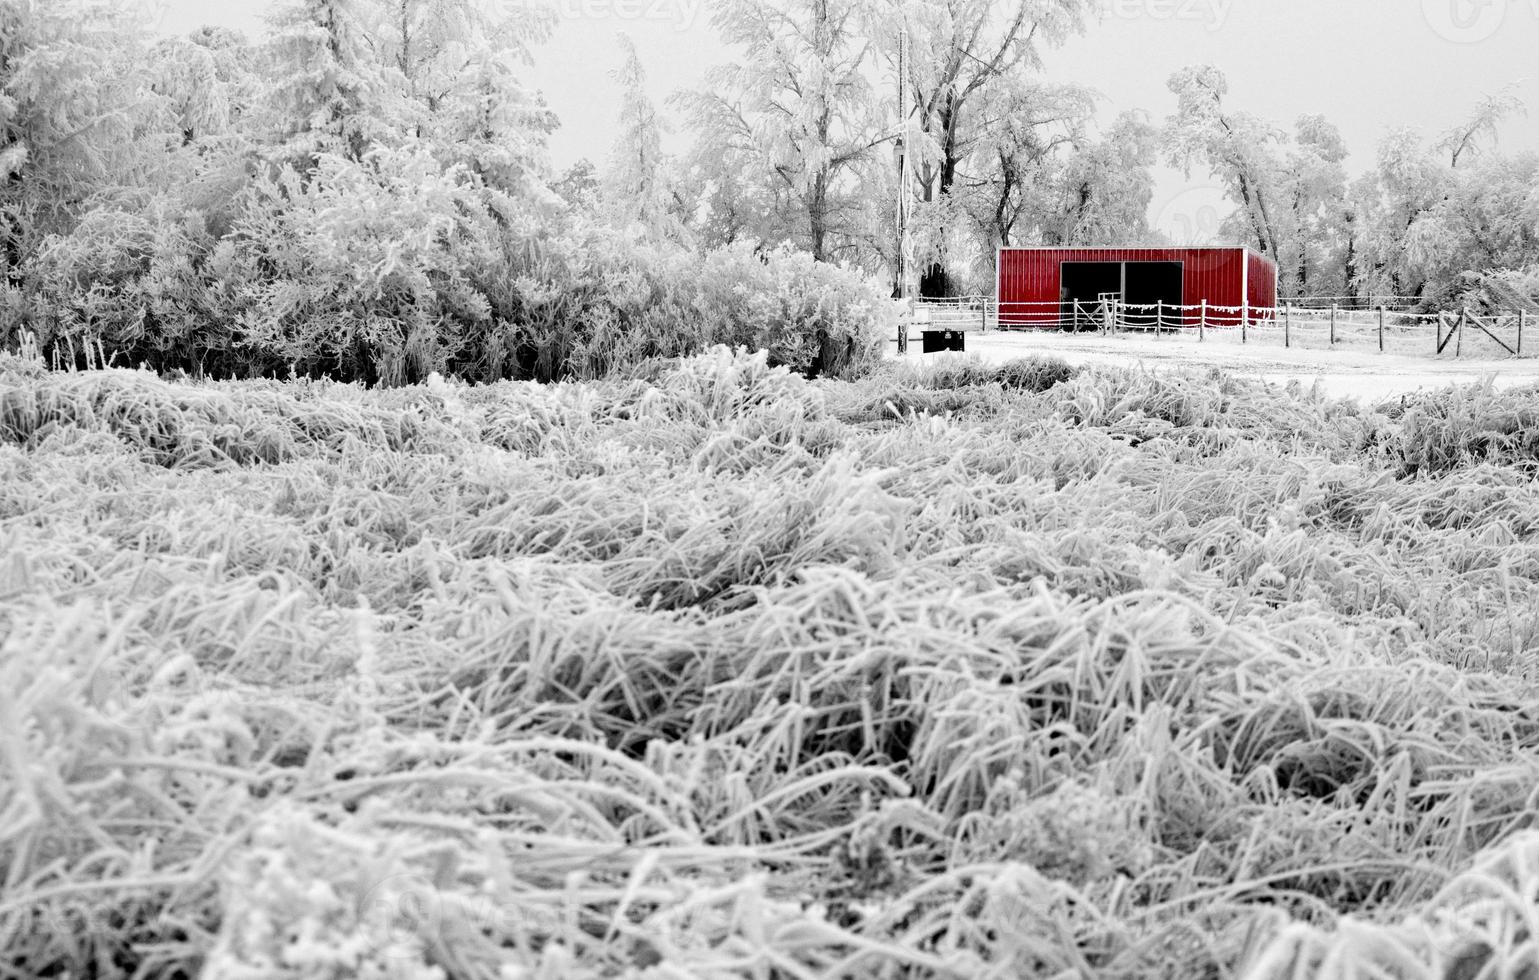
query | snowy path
[1345, 371]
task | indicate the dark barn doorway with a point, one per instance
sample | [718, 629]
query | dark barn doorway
[1152, 283]
[1082, 286]
[1138, 284]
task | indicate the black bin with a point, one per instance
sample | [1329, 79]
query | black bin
[939, 340]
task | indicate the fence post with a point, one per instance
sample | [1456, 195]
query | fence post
[1202, 325]
[1245, 324]
[1333, 324]
[1464, 314]
[1381, 329]
[1522, 316]
[1159, 317]
[1287, 325]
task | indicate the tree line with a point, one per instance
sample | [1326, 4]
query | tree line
[367, 183]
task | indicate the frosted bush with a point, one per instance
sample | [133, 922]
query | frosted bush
[366, 266]
[806, 314]
[392, 267]
[590, 300]
[129, 281]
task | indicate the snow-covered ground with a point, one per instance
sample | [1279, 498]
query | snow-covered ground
[1353, 370]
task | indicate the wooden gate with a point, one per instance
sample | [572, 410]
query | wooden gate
[1451, 326]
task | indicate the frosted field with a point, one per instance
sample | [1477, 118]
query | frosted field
[1353, 369]
[952, 671]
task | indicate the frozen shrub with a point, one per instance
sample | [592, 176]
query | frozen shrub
[1034, 373]
[723, 385]
[954, 373]
[130, 281]
[1460, 426]
[590, 300]
[810, 316]
[388, 268]
[581, 300]
[364, 268]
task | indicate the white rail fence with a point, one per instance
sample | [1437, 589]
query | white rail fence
[1308, 323]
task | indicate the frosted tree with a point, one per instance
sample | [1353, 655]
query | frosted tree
[186, 76]
[1466, 139]
[327, 94]
[743, 201]
[1240, 151]
[239, 72]
[452, 67]
[636, 182]
[1431, 216]
[959, 51]
[795, 112]
[1487, 220]
[578, 186]
[497, 128]
[1289, 190]
[1042, 176]
[1008, 190]
[1103, 190]
[1407, 181]
[1312, 258]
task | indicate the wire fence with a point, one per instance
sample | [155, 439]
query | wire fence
[1308, 323]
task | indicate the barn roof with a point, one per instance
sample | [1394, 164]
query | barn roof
[1137, 248]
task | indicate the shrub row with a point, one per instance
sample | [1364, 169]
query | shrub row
[391, 268]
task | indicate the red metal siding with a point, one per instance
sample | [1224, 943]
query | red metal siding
[1263, 286]
[1029, 281]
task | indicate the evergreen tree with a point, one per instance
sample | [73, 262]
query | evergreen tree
[328, 96]
[635, 182]
[453, 65]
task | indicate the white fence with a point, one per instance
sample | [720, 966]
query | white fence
[1308, 323]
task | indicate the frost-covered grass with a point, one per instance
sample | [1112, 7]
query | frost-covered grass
[711, 671]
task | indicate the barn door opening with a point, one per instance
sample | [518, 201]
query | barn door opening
[1149, 284]
[1082, 284]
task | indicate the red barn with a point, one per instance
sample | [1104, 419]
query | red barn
[1044, 286]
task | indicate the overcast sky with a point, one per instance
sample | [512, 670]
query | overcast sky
[1367, 65]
